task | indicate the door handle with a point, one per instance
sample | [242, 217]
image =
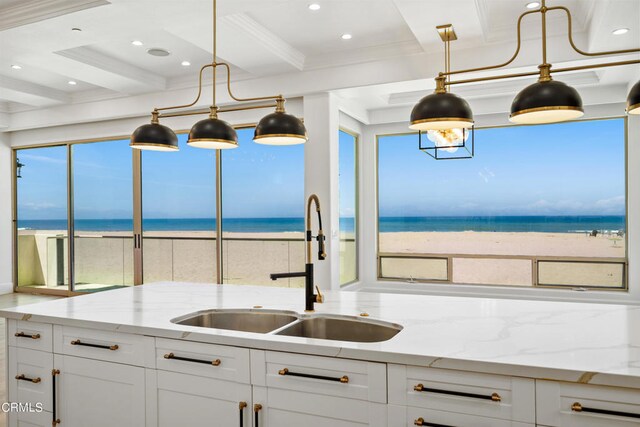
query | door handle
[241, 406]
[256, 409]
[55, 420]
[343, 379]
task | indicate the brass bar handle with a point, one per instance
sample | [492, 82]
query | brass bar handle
[343, 379]
[23, 335]
[22, 377]
[495, 397]
[215, 362]
[256, 408]
[577, 407]
[241, 406]
[113, 347]
[54, 419]
[421, 422]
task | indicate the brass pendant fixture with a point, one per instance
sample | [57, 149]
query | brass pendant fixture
[443, 117]
[278, 128]
[546, 101]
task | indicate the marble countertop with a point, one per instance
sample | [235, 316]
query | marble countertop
[594, 343]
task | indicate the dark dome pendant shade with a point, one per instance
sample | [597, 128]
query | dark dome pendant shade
[154, 136]
[546, 101]
[213, 133]
[633, 100]
[441, 110]
[280, 128]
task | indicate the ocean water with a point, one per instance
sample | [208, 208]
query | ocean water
[547, 224]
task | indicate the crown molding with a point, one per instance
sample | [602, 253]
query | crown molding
[28, 12]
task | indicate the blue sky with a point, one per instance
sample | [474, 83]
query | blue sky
[561, 169]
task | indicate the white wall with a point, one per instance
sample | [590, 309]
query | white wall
[5, 215]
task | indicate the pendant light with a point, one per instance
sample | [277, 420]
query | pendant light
[633, 100]
[278, 128]
[546, 101]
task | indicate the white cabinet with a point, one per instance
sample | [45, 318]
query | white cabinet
[295, 389]
[30, 419]
[175, 399]
[582, 405]
[407, 416]
[198, 384]
[92, 393]
[466, 397]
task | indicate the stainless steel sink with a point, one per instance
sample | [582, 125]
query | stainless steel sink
[261, 321]
[342, 328]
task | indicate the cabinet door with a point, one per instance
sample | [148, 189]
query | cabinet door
[280, 407]
[177, 399]
[407, 416]
[92, 393]
[30, 419]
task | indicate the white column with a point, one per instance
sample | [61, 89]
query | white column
[6, 255]
[633, 204]
[321, 118]
[368, 262]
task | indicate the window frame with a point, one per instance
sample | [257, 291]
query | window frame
[356, 222]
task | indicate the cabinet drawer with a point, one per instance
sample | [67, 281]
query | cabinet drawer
[353, 379]
[207, 360]
[284, 408]
[582, 405]
[30, 419]
[102, 345]
[30, 376]
[492, 396]
[36, 336]
[407, 416]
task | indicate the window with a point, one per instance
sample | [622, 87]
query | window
[347, 166]
[42, 232]
[179, 214]
[537, 206]
[263, 212]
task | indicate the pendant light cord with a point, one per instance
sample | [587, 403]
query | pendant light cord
[543, 11]
[213, 62]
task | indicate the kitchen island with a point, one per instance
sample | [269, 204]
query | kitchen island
[456, 361]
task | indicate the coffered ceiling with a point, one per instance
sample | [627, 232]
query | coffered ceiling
[390, 60]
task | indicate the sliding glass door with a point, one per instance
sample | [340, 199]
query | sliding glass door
[179, 215]
[102, 183]
[41, 219]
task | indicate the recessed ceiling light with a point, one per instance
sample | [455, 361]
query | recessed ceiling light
[76, 30]
[346, 37]
[156, 51]
[620, 31]
[72, 83]
[16, 67]
[314, 6]
[136, 43]
[185, 63]
[533, 5]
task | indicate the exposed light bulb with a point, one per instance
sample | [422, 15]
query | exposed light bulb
[448, 140]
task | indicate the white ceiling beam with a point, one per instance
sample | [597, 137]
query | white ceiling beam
[246, 44]
[15, 90]
[5, 120]
[140, 79]
[28, 12]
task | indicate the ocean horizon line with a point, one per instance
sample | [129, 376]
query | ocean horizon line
[480, 223]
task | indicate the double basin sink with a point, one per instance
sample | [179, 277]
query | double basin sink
[289, 323]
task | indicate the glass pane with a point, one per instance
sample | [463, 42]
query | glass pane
[263, 212]
[103, 215]
[42, 218]
[179, 214]
[550, 191]
[348, 201]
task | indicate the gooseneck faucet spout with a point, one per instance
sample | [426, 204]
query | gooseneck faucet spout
[310, 297]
